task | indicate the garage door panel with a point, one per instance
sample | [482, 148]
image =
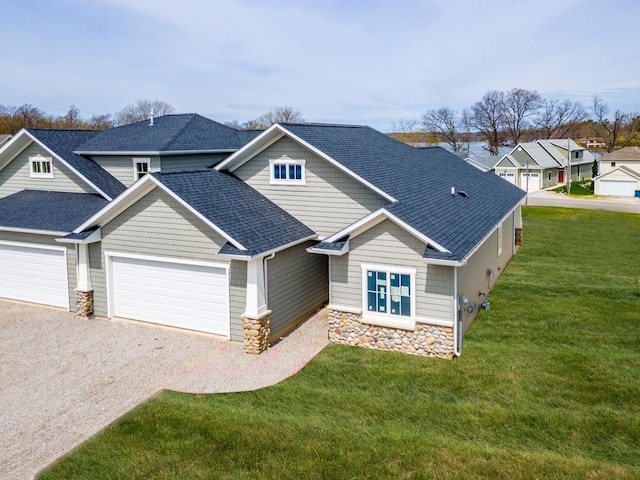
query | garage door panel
[622, 188]
[33, 274]
[186, 296]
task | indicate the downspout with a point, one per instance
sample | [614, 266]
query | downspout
[457, 317]
[266, 278]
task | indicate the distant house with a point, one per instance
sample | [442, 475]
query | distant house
[619, 173]
[4, 137]
[537, 165]
[591, 142]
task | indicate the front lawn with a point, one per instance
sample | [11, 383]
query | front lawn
[548, 386]
[579, 187]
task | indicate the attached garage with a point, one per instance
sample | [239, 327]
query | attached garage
[34, 273]
[618, 187]
[508, 176]
[176, 293]
[530, 182]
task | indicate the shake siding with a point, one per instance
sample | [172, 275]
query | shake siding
[122, 167]
[389, 244]
[473, 278]
[328, 202]
[47, 240]
[176, 163]
[15, 177]
[297, 284]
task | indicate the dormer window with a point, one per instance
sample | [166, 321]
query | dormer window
[40, 167]
[285, 170]
[141, 166]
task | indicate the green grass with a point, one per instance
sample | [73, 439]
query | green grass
[548, 386]
[581, 188]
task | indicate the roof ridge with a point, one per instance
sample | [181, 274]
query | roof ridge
[180, 132]
[320, 124]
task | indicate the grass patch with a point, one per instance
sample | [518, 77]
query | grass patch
[548, 386]
[580, 188]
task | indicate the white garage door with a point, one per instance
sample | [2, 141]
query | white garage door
[533, 183]
[509, 177]
[185, 296]
[613, 187]
[31, 273]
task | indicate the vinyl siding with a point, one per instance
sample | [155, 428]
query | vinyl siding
[604, 166]
[389, 244]
[237, 297]
[177, 163]
[545, 177]
[15, 177]
[49, 240]
[328, 202]
[156, 225]
[297, 284]
[504, 163]
[473, 278]
[121, 167]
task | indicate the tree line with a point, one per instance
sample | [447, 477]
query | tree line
[508, 118]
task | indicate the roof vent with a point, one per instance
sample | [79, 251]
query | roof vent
[453, 191]
[463, 194]
[151, 120]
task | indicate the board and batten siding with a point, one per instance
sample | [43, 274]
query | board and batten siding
[159, 226]
[330, 200]
[122, 166]
[297, 284]
[50, 241]
[389, 244]
[474, 276]
[16, 176]
[181, 163]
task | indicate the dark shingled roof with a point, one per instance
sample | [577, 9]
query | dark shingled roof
[237, 209]
[48, 211]
[169, 133]
[421, 181]
[64, 142]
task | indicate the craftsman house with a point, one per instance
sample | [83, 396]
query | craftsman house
[188, 223]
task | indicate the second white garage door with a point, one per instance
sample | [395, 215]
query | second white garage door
[179, 295]
[618, 187]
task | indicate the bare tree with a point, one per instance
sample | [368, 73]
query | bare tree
[446, 124]
[487, 117]
[278, 115]
[100, 122]
[72, 118]
[142, 110]
[518, 106]
[617, 131]
[404, 125]
[559, 119]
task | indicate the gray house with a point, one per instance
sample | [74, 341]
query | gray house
[191, 224]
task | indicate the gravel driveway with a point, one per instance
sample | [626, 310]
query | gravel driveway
[64, 378]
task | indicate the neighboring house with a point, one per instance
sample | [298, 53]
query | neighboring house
[618, 173]
[403, 243]
[537, 165]
[4, 138]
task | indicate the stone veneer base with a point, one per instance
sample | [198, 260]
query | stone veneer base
[426, 340]
[256, 334]
[84, 303]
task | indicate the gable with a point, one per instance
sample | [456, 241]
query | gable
[328, 201]
[505, 163]
[16, 175]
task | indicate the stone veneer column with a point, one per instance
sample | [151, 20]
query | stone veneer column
[518, 236]
[425, 340]
[256, 334]
[84, 303]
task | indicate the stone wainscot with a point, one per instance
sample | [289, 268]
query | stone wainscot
[426, 340]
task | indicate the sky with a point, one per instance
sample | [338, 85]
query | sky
[370, 62]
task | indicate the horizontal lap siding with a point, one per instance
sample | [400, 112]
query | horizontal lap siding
[238, 297]
[121, 166]
[15, 177]
[328, 202]
[388, 244]
[473, 278]
[156, 225]
[297, 283]
[177, 163]
[47, 240]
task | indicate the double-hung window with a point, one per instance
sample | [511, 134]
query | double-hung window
[140, 167]
[40, 167]
[287, 171]
[389, 294]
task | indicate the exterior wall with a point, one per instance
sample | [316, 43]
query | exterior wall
[50, 240]
[328, 202]
[523, 157]
[15, 177]
[122, 166]
[389, 244]
[176, 163]
[605, 165]
[545, 177]
[297, 284]
[618, 175]
[484, 268]
[158, 225]
[581, 171]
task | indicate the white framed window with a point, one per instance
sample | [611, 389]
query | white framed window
[40, 167]
[287, 171]
[499, 231]
[389, 295]
[140, 167]
[549, 175]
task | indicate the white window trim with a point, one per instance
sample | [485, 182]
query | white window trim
[499, 231]
[40, 159]
[284, 160]
[136, 161]
[388, 319]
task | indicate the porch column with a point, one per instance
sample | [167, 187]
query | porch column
[84, 290]
[255, 320]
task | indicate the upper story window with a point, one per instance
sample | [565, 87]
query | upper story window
[140, 167]
[613, 164]
[40, 167]
[287, 171]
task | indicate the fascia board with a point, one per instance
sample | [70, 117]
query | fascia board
[33, 231]
[251, 149]
[152, 153]
[14, 140]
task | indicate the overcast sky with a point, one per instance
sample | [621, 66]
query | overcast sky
[344, 61]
